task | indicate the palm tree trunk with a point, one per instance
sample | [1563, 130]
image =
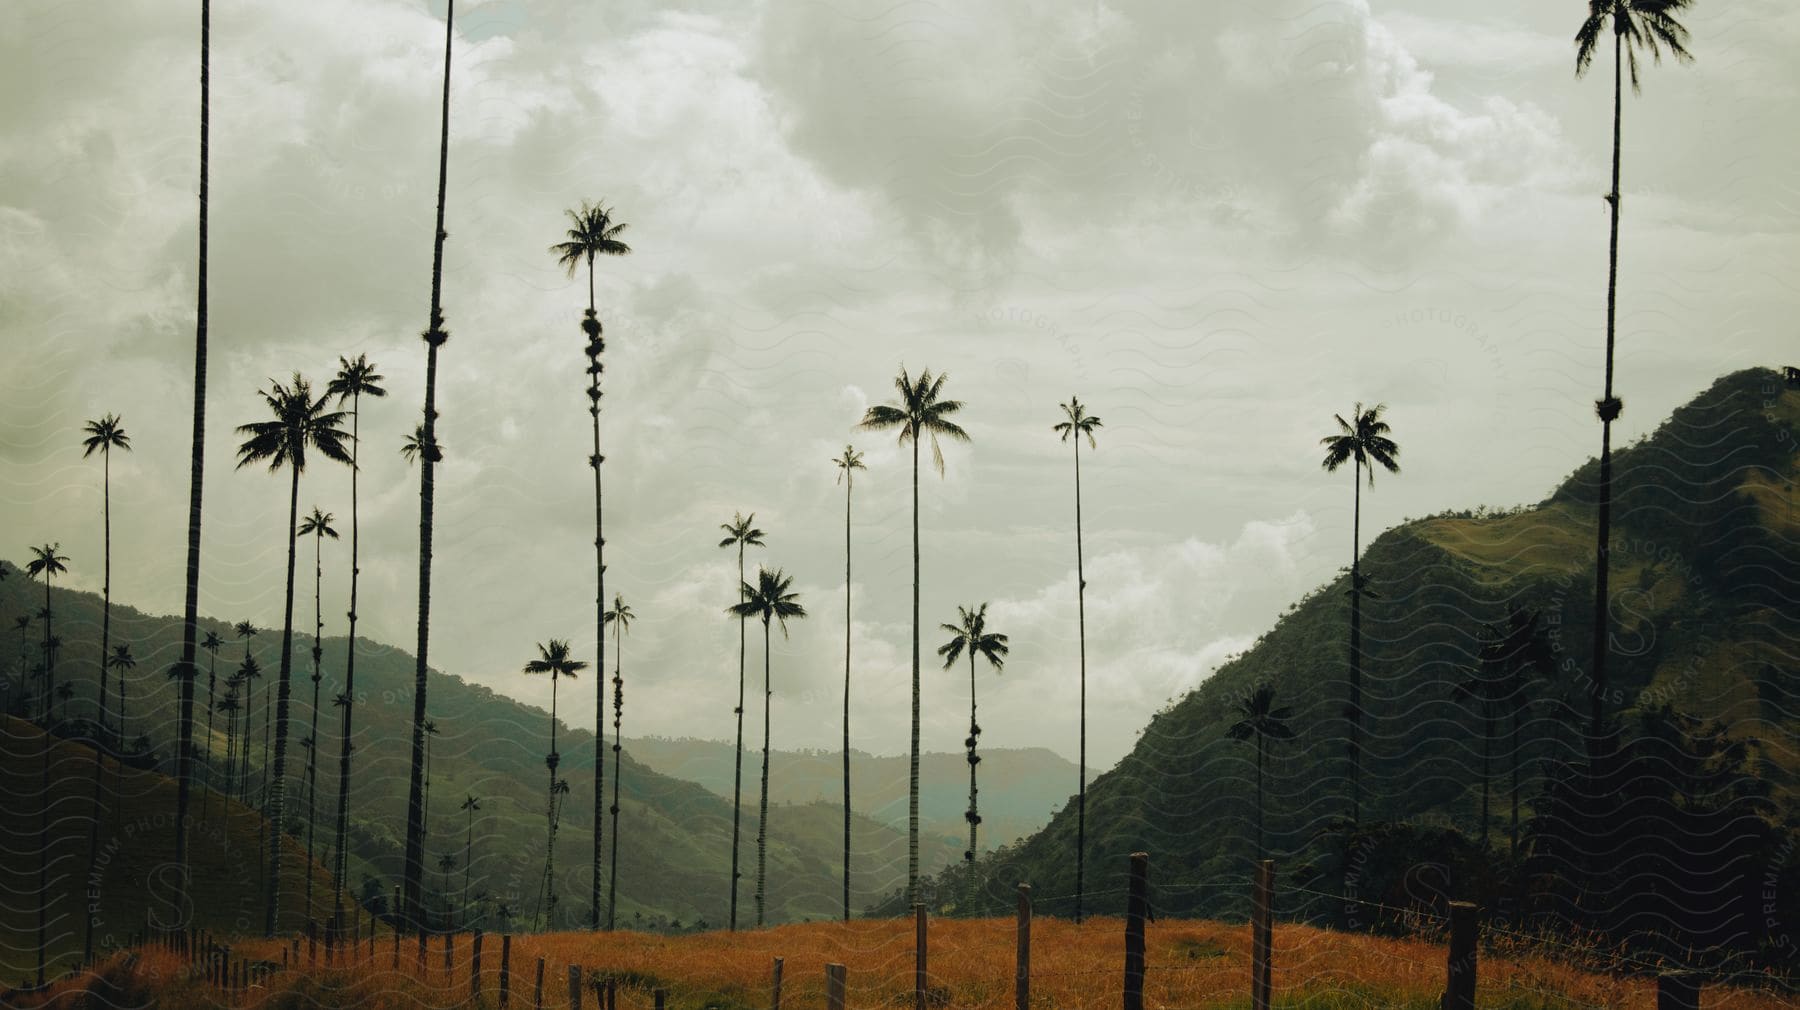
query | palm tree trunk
[974, 815]
[278, 777]
[212, 681]
[599, 630]
[737, 776]
[612, 886]
[1603, 548]
[1355, 709]
[312, 746]
[1262, 845]
[49, 656]
[468, 847]
[849, 486]
[190, 622]
[912, 792]
[106, 577]
[1081, 631]
[547, 889]
[413, 885]
[340, 861]
[1513, 845]
[43, 885]
[1487, 747]
[762, 820]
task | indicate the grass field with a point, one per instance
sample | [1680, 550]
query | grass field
[1191, 964]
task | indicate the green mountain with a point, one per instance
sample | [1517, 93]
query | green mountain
[674, 847]
[1020, 787]
[1704, 584]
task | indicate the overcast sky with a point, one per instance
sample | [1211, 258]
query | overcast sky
[1216, 223]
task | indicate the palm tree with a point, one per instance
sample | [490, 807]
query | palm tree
[555, 660]
[1363, 443]
[318, 526]
[103, 436]
[22, 624]
[446, 863]
[593, 233]
[353, 381]
[121, 662]
[1263, 721]
[1483, 685]
[1636, 24]
[847, 464]
[435, 336]
[212, 643]
[300, 423]
[230, 706]
[190, 622]
[65, 691]
[740, 532]
[248, 673]
[770, 600]
[918, 414]
[970, 633]
[47, 561]
[620, 617]
[431, 732]
[1077, 423]
[470, 805]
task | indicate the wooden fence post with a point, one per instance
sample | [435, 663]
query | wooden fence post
[312, 942]
[775, 987]
[449, 943]
[475, 966]
[574, 987]
[1022, 974]
[919, 949]
[537, 992]
[661, 996]
[612, 993]
[419, 955]
[1262, 932]
[1137, 906]
[835, 989]
[1459, 987]
[1677, 991]
[505, 970]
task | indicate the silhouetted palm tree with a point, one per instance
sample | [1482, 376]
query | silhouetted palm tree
[769, 600]
[470, 805]
[1363, 442]
[446, 863]
[300, 424]
[620, 617]
[353, 381]
[1636, 24]
[593, 233]
[47, 561]
[230, 706]
[103, 436]
[1078, 422]
[847, 465]
[190, 621]
[555, 660]
[22, 624]
[121, 663]
[919, 414]
[740, 532]
[970, 633]
[65, 691]
[435, 335]
[249, 672]
[212, 643]
[318, 526]
[1261, 720]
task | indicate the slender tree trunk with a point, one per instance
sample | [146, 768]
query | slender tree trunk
[340, 860]
[91, 905]
[1487, 747]
[212, 682]
[849, 486]
[283, 688]
[1513, 845]
[599, 616]
[413, 886]
[912, 793]
[1081, 633]
[548, 888]
[737, 776]
[762, 820]
[974, 808]
[468, 848]
[1603, 548]
[612, 886]
[43, 885]
[312, 745]
[50, 658]
[1355, 709]
[190, 622]
[106, 578]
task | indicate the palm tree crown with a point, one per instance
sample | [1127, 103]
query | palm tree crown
[46, 561]
[971, 633]
[1639, 24]
[769, 599]
[554, 659]
[300, 423]
[354, 379]
[847, 464]
[318, 524]
[1079, 422]
[1364, 441]
[919, 412]
[105, 435]
[741, 530]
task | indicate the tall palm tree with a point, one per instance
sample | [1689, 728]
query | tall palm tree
[414, 869]
[353, 381]
[212, 643]
[1636, 24]
[970, 634]
[300, 424]
[770, 600]
[249, 671]
[121, 662]
[230, 706]
[1363, 442]
[47, 561]
[919, 413]
[620, 617]
[1483, 686]
[446, 863]
[65, 691]
[470, 806]
[1261, 720]
[554, 659]
[103, 436]
[592, 233]
[318, 526]
[740, 532]
[1076, 423]
[190, 621]
[22, 624]
[847, 464]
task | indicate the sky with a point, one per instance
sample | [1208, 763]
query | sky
[1216, 224]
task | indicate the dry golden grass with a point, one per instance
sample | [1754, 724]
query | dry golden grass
[1192, 964]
